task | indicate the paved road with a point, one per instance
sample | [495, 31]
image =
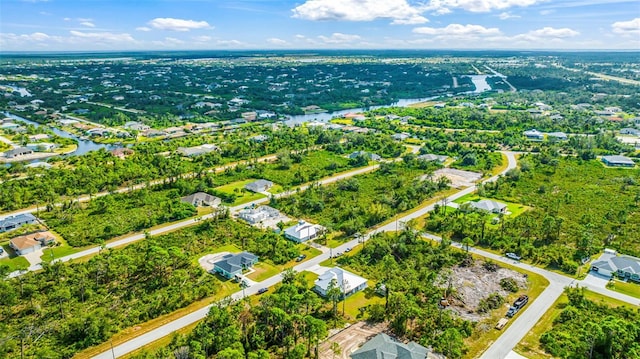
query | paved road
[188, 319]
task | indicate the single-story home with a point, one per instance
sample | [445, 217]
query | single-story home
[400, 136]
[202, 199]
[557, 135]
[233, 264]
[259, 138]
[534, 134]
[31, 242]
[255, 215]
[136, 126]
[618, 161]
[153, 133]
[347, 282]
[17, 221]
[39, 165]
[383, 346]
[302, 232]
[372, 156]
[17, 152]
[122, 152]
[487, 205]
[430, 157]
[197, 150]
[41, 146]
[624, 267]
[260, 185]
[38, 137]
[630, 131]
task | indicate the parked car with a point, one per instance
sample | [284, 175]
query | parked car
[262, 290]
[301, 257]
[513, 256]
[517, 305]
[1, 250]
[348, 249]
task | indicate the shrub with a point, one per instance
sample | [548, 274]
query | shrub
[509, 284]
[493, 301]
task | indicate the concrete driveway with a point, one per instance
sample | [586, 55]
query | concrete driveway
[597, 280]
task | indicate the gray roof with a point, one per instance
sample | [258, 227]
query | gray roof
[371, 156]
[200, 197]
[256, 185]
[232, 263]
[618, 160]
[18, 219]
[623, 263]
[18, 151]
[383, 346]
[487, 205]
[431, 157]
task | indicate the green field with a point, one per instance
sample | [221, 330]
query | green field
[242, 195]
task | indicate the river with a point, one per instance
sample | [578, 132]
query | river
[84, 146]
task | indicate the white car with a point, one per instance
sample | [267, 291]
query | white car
[513, 256]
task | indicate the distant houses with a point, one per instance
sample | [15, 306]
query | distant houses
[232, 265]
[136, 126]
[18, 152]
[202, 199]
[17, 221]
[302, 232]
[429, 157]
[347, 282]
[630, 131]
[618, 161]
[561, 136]
[371, 156]
[259, 186]
[197, 150]
[122, 153]
[534, 135]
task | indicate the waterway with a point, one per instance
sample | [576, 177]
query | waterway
[84, 146]
[480, 82]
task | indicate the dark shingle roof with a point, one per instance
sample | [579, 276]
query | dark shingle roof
[233, 263]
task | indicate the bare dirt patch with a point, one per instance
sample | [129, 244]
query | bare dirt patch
[474, 283]
[458, 178]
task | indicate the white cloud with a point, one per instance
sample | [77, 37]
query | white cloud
[203, 38]
[360, 10]
[35, 37]
[631, 27]
[143, 28]
[508, 15]
[103, 36]
[445, 6]
[276, 41]
[87, 24]
[339, 38]
[67, 19]
[231, 43]
[550, 32]
[171, 24]
[458, 30]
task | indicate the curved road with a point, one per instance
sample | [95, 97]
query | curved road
[199, 314]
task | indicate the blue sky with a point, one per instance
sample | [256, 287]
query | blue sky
[90, 25]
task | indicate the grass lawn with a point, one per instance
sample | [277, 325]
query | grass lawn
[262, 271]
[14, 261]
[529, 346]
[61, 250]
[498, 169]
[631, 289]
[237, 188]
[361, 299]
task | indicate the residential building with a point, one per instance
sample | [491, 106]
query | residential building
[624, 267]
[259, 138]
[202, 199]
[487, 205]
[17, 221]
[533, 134]
[400, 136]
[383, 346]
[31, 242]
[41, 146]
[347, 282]
[302, 232]
[197, 150]
[630, 131]
[233, 264]
[561, 136]
[136, 126]
[153, 133]
[254, 215]
[38, 137]
[39, 165]
[618, 161]
[372, 156]
[122, 153]
[430, 157]
[18, 152]
[259, 186]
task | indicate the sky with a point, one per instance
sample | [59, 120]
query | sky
[113, 25]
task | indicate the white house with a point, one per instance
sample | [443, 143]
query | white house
[533, 134]
[258, 186]
[302, 232]
[347, 282]
[255, 215]
[487, 205]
